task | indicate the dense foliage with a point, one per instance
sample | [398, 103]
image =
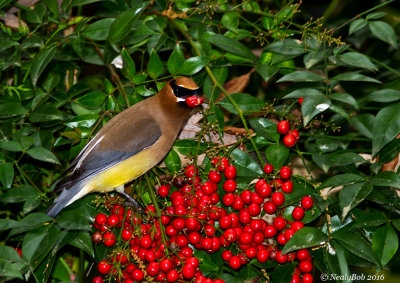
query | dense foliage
[68, 66]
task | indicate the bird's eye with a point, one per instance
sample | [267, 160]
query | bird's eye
[182, 92]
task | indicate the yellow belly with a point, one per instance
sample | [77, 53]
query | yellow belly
[122, 173]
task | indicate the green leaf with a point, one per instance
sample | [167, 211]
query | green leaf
[352, 195]
[277, 154]
[375, 15]
[345, 98]
[389, 151]
[304, 238]
[43, 154]
[6, 224]
[313, 106]
[386, 178]
[75, 3]
[155, 66]
[175, 60]
[189, 146]
[7, 269]
[342, 180]
[84, 242]
[40, 61]
[230, 20]
[287, 47]
[266, 71]
[245, 102]
[11, 109]
[327, 144]
[231, 45]
[193, 65]
[356, 59]
[247, 272]
[384, 32]
[386, 127]
[364, 123]
[312, 58]
[31, 221]
[301, 76]
[245, 164]
[19, 194]
[357, 25]
[385, 243]
[356, 244]
[4, 3]
[342, 159]
[383, 95]
[354, 77]
[172, 161]
[370, 218]
[98, 30]
[129, 65]
[6, 174]
[46, 113]
[37, 243]
[336, 258]
[265, 127]
[283, 273]
[92, 100]
[82, 121]
[123, 24]
[76, 219]
[322, 161]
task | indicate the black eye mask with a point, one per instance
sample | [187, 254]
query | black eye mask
[182, 92]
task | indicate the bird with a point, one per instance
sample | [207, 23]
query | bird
[130, 144]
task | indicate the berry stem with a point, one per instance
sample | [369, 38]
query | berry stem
[158, 211]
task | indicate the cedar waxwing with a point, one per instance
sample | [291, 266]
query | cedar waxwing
[129, 145]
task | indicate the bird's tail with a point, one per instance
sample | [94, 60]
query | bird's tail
[66, 197]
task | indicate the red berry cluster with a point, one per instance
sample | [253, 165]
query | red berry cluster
[196, 218]
[290, 136]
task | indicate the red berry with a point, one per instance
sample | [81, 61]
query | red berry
[287, 187]
[206, 243]
[289, 140]
[270, 231]
[302, 254]
[279, 223]
[295, 133]
[278, 198]
[264, 191]
[235, 262]
[226, 255]
[104, 267]
[225, 222]
[262, 255]
[146, 242]
[163, 191]
[153, 268]
[220, 163]
[281, 258]
[109, 239]
[193, 261]
[190, 171]
[137, 275]
[194, 238]
[188, 271]
[228, 199]
[254, 209]
[246, 238]
[113, 220]
[307, 278]
[251, 252]
[307, 202]
[283, 127]
[246, 196]
[244, 216]
[101, 219]
[269, 207]
[289, 233]
[285, 172]
[296, 278]
[268, 168]
[126, 235]
[229, 186]
[193, 101]
[281, 239]
[296, 225]
[230, 172]
[97, 279]
[166, 264]
[172, 276]
[305, 266]
[208, 188]
[300, 100]
[298, 213]
[214, 176]
[239, 204]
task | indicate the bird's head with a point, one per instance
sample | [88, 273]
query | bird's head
[186, 92]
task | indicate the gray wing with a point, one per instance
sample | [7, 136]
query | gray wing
[117, 141]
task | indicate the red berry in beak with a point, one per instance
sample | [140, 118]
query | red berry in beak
[193, 101]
